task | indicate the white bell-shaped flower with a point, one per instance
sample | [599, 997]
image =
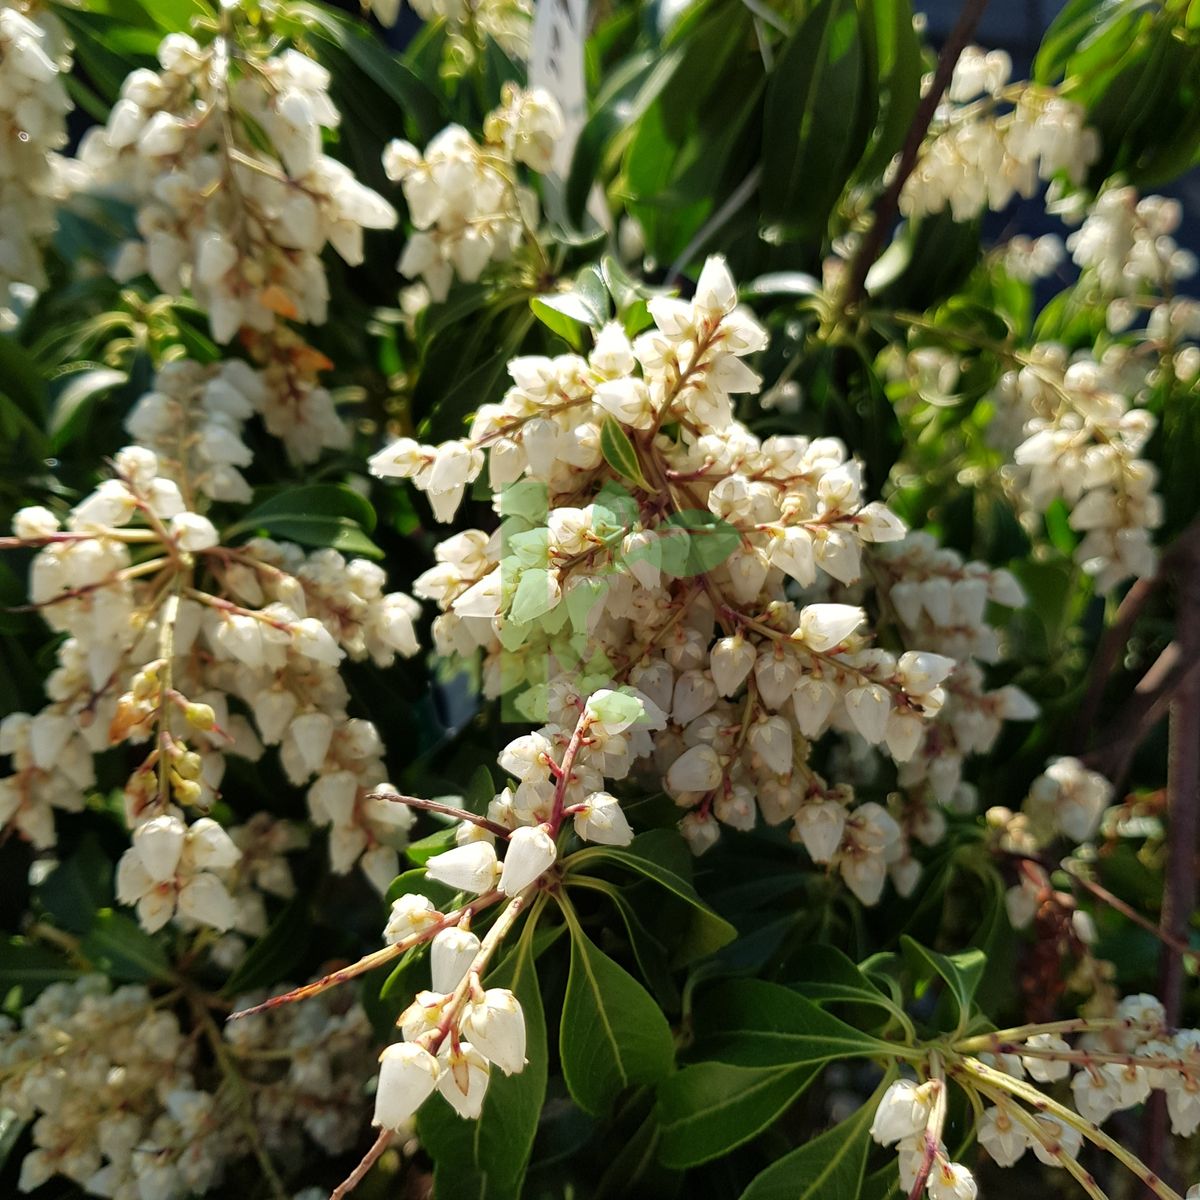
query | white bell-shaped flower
[407, 1076]
[495, 1026]
[530, 854]
[469, 868]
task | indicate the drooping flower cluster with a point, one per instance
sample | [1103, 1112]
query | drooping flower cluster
[509, 23]
[1114, 1064]
[939, 601]
[1083, 442]
[318, 1087]
[464, 199]
[33, 110]
[220, 152]
[109, 1078]
[241, 226]
[164, 628]
[128, 1107]
[991, 141]
[679, 586]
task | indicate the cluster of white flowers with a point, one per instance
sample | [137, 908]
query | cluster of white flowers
[990, 141]
[1125, 244]
[464, 199]
[164, 628]
[939, 601]
[1066, 800]
[33, 109]
[679, 588]
[318, 1087]
[220, 152]
[457, 1031]
[1082, 442]
[241, 226]
[509, 23]
[109, 1078]
[121, 1100]
[1120, 1060]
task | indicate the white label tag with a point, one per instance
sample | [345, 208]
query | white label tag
[556, 64]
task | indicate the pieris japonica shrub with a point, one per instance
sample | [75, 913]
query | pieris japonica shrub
[592, 603]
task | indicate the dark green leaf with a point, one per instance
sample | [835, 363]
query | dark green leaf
[749, 1022]
[829, 1167]
[707, 1109]
[612, 1034]
[120, 948]
[30, 967]
[962, 972]
[275, 955]
[73, 892]
[661, 856]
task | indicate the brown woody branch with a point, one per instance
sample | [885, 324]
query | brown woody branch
[888, 204]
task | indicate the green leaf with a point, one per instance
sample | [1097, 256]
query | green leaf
[649, 951]
[319, 514]
[31, 967]
[662, 856]
[829, 1167]
[829, 977]
[749, 1022]
[486, 1159]
[275, 955]
[418, 881]
[695, 541]
[962, 972]
[587, 303]
[119, 948]
[812, 135]
[78, 887]
[319, 499]
[612, 1033]
[707, 1109]
[80, 392]
[422, 850]
[900, 70]
[619, 453]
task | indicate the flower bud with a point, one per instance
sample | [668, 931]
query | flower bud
[823, 627]
[450, 955]
[903, 1112]
[159, 844]
[602, 820]
[530, 854]
[200, 716]
[411, 914]
[407, 1076]
[731, 660]
[495, 1026]
[469, 868]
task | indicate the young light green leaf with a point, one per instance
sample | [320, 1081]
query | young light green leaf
[612, 1033]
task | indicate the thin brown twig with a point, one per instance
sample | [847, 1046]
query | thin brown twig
[1112, 642]
[447, 810]
[1183, 815]
[381, 1143]
[888, 204]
